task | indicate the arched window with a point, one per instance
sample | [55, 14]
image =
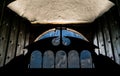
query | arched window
[36, 59]
[73, 59]
[56, 32]
[86, 59]
[62, 58]
[48, 59]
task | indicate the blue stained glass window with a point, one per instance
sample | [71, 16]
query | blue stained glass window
[48, 59]
[36, 59]
[73, 59]
[86, 59]
[60, 58]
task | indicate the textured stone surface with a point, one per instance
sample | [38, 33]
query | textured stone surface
[60, 11]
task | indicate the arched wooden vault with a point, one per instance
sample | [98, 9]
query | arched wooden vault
[16, 32]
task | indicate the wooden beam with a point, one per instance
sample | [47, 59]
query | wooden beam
[101, 39]
[2, 7]
[21, 38]
[107, 39]
[114, 32]
[4, 37]
[13, 40]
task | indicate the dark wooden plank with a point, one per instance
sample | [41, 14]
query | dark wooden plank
[2, 7]
[61, 60]
[48, 59]
[95, 41]
[116, 21]
[107, 39]
[4, 37]
[117, 4]
[13, 40]
[117, 10]
[114, 32]
[100, 39]
[21, 39]
[86, 59]
[36, 59]
[73, 59]
[119, 41]
[27, 35]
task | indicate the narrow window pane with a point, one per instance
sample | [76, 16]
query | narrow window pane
[48, 59]
[73, 59]
[36, 59]
[61, 59]
[86, 59]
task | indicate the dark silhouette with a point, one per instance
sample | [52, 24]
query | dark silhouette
[46, 44]
[17, 64]
[80, 44]
[20, 63]
[104, 63]
[101, 62]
